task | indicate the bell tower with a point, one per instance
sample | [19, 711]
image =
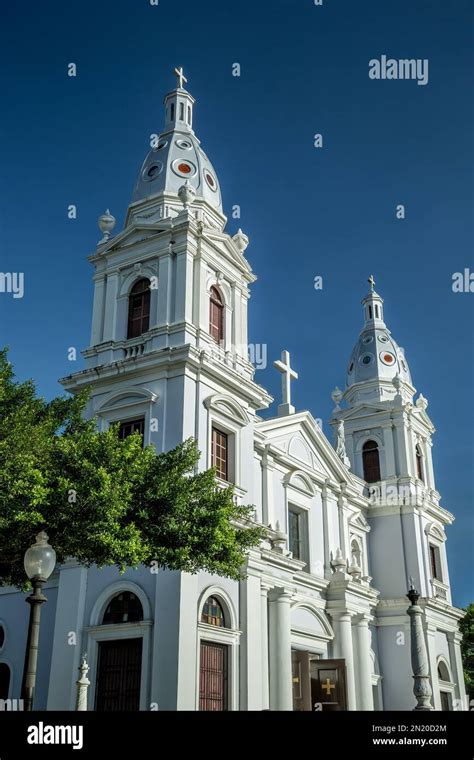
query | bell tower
[169, 340]
[388, 442]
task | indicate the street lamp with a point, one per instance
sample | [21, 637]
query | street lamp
[39, 562]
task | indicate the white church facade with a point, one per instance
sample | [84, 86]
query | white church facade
[319, 622]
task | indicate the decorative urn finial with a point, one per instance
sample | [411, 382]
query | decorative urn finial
[106, 224]
[421, 402]
[336, 396]
[241, 240]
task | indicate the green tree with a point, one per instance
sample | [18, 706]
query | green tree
[466, 626]
[107, 501]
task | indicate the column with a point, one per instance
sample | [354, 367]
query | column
[324, 507]
[250, 651]
[390, 470]
[343, 533]
[365, 699]
[342, 645]
[454, 642]
[402, 451]
[244, 317]
[98, 310]
[183, 284]
[110, 317]
[236, 317]
[264, 589]
[281, 686]
[411, 451]
[163, 316]
[431, 647]
[187, 627]
[66, 650]
[429, 472]
[267, 488]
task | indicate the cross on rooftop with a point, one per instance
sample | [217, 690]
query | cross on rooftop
[287, 375]
[371, 282]
[180, 76]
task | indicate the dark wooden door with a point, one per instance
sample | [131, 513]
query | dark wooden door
[213, 681]
[328, 684]
[119, 675]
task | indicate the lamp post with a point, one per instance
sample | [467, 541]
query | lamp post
[39, 562]
[419, 656]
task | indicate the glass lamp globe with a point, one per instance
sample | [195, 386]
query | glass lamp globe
[40, 558]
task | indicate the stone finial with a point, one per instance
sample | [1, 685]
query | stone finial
[278, 540]
[82, 684]
[339, 564]
[354, 570]
[336, 396]
[106, 224]
[186, 194]
[241, 240]
[421, 402]
[397, 384]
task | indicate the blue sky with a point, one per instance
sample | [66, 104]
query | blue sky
[307, 211]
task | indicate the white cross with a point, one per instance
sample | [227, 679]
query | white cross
[287, 375]
[181, 77]
[371, 282]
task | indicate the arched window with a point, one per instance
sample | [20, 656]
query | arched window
[371, 461]
[4, 680]
[2, 636]
[443, 672]
[212, 613]
[139, 308]
[216, 315]
[419, 463]
[444, 677]
[123, 608]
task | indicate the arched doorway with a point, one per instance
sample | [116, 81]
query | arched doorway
[120, 658]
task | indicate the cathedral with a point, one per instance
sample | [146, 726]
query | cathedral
[320, 620]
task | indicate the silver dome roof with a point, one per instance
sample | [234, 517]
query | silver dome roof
[176, 157]
[376, 355]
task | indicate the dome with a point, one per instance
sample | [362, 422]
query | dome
[177, 157]
[376, 355]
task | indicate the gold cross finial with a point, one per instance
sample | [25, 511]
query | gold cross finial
[180, 76]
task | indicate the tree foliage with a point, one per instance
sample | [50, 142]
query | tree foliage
[466, 626]
[107, 501]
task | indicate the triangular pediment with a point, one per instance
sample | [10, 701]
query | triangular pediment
[134, 234]
[365, 410]
[305, 445]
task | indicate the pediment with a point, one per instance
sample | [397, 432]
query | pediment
[135, 233]
[304, 442]
[228, 407]
[129, 397]
[358, 521]
[363, 411]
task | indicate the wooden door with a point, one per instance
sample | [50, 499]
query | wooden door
[119, 675]
[328, 684]
[214, 681]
